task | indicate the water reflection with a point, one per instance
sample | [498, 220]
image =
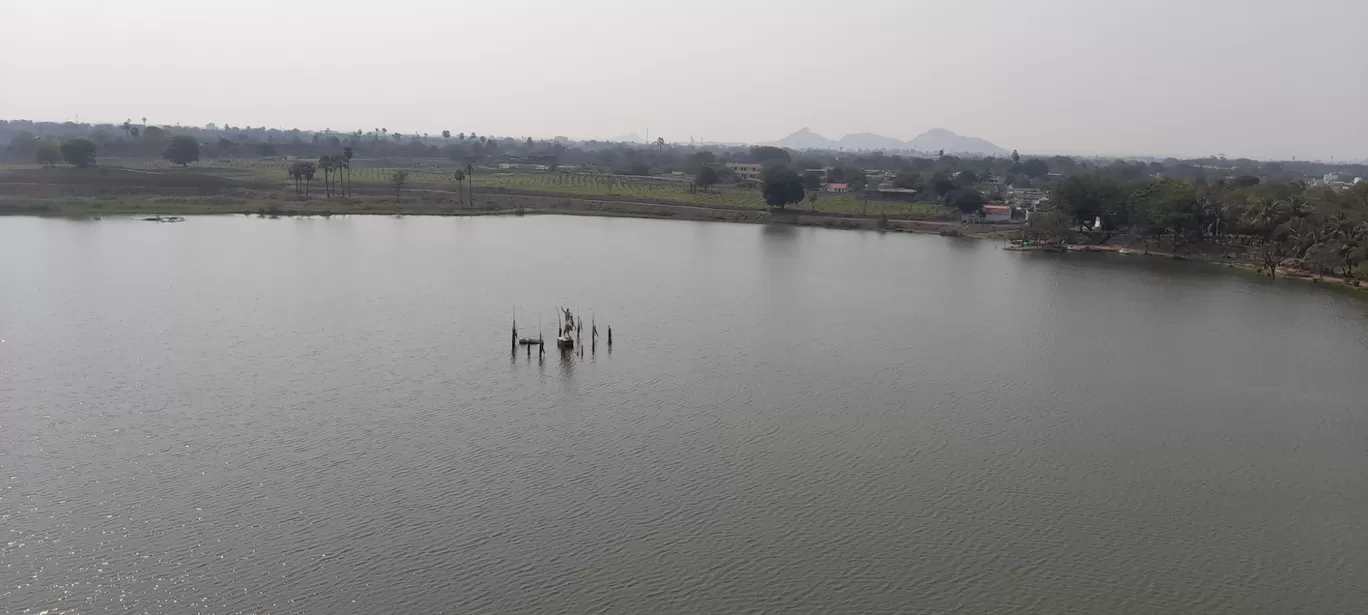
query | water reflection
[794, 402]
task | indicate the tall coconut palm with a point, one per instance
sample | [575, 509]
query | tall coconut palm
[470, 183]
[1265, 217]
[347, 154]
[459, 176]
[660, 144]
[325, 163]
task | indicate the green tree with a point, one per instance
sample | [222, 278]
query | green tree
[909, 180]
[265, 150]
[767, 154]
[296, 172]
[812, 181]
[941, 183]
[397, 181]
[781, 186]
[48, 153]
[1053, 226]
[1035, 168]
[1084, 198]
[699, 160]
[967, 200]
[24, 143]
[706, 178]
[1016, 158]
[1245, 181]
[347, 154]
[459, 176]
[183, 150]
[226, 147]
[470, 182]
[446, 135]
[79, 152]
[308, 170]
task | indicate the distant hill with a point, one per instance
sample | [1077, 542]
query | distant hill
[938, 139]
[805, 139]
[930, 141]
[869, 140]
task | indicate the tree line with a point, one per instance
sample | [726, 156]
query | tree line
[1323, 230]
[131, 139]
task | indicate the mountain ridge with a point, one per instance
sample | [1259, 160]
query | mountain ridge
[932, 140]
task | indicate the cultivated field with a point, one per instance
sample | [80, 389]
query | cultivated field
[250, 184]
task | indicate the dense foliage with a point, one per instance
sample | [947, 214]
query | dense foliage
[1321, 229]
[183, 150]
[781, 186]
[79, 152]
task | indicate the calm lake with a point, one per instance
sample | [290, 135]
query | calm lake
[235, 415]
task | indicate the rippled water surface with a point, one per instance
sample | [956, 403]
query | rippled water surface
[236, 415]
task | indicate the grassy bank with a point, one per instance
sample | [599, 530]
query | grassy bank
[431, 188]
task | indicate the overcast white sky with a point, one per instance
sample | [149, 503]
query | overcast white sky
[1258, 78]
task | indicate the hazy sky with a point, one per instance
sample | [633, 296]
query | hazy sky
[1259, 78]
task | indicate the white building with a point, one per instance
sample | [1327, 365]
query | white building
[745, 170]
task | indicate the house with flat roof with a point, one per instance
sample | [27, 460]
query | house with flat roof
[747, 171]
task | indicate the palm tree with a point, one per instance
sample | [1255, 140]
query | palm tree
[1265, 217]
[325, 162]
[126, 126]
[296, 172]
[660, 143]
[446, 135]
[1349, 240]
[460, 185]
[470, 183]
[347, 154]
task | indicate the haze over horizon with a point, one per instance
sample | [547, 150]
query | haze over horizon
[1252, 79]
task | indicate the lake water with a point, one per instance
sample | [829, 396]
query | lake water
[236, 415]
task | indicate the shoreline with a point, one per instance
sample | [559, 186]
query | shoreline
[496, 203]
[529, 204]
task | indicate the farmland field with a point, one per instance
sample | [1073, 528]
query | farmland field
[267, 179]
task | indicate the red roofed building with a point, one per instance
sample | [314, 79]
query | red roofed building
[990, 214]
[997, 213]
[838, 188]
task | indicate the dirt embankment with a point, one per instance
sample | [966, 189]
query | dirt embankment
[556, 204]
[112, 190]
